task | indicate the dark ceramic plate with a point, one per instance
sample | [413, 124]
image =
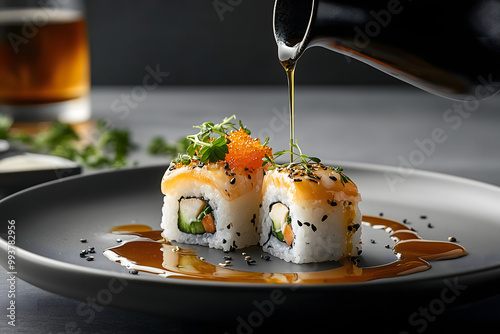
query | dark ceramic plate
[51, 219]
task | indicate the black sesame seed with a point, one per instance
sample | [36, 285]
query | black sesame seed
[299, 222]
[333, 178]
[313, 228]
[324, 218]
[355, 227]
[265, 257]
[331, 202]
[381, 214]
[387, 246]
[233, 180]
[226, 166]
[90, 258]
[227, 258]
[201, 164]
[83, 240]
[238, 234]
[307, 223]
[452, 239]
[91, 250]
[372, 241]
[228, 226]
[360, 251]
[405, 221]
[249, 176]
[250, 262]
[119, 240]
[430, 225]
[297, 180]
[83, 253]
[133, 272]
[423, 217]
[224, 241]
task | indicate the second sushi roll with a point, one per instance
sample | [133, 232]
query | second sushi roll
[310, 213]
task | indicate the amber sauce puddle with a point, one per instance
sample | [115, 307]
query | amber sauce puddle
[151, 253]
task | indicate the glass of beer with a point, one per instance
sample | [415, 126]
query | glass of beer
[44, 61]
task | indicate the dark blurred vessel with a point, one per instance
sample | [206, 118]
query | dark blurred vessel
[448, 48]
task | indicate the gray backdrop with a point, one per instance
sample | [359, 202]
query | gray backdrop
[198, 45]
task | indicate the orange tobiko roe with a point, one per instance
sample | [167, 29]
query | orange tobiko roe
[245, 151]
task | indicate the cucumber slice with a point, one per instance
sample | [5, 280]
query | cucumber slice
[279, 216]
[279, 235]
[191, 212]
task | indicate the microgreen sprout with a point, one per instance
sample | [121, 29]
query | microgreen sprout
[205, 146]
[297, 158]
[343, 178]
[300, 159]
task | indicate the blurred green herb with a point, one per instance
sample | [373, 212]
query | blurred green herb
[159, 146]
[110, 149]
[5, 124]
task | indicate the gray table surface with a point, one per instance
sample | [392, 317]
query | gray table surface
[381, 125]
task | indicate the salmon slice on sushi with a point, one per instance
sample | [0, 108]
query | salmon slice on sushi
[213, 193]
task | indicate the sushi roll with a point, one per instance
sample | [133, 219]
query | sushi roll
[309, 214]
[212, 197]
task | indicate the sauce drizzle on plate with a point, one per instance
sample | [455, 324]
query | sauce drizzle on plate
[151, 253]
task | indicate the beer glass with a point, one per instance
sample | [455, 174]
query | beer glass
[44, 61]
